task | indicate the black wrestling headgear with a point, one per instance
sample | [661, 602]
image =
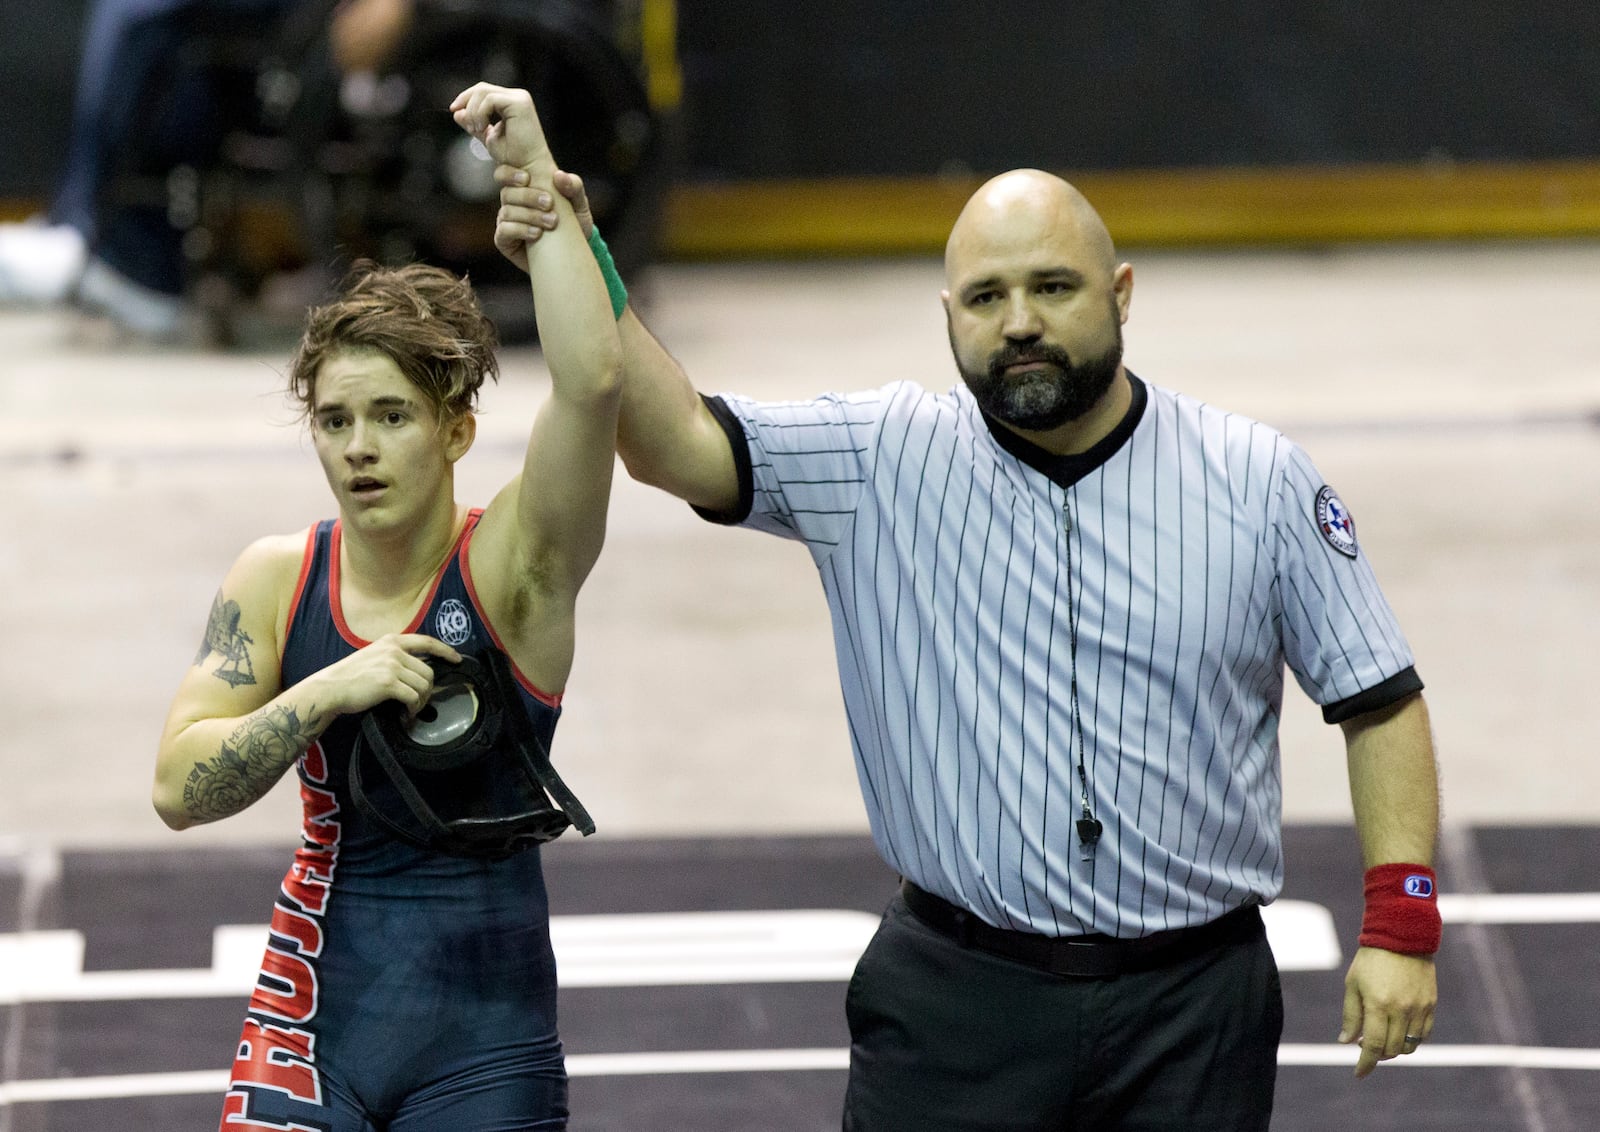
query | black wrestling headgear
[468, 776]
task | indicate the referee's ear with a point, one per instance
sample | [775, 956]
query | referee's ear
[1121, 289]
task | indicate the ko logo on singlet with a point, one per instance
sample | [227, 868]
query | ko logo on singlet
[453, 623]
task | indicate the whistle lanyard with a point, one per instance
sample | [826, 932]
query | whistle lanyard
[1089, 827]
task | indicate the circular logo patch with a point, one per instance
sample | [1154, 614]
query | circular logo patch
[1335, 523]
[1419, 886]
[452, 623]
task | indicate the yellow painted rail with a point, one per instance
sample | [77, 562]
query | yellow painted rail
[865, 216]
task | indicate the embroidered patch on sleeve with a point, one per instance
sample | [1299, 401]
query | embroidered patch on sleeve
[1335, 523]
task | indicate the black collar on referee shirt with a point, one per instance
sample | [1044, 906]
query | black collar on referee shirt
[1068, 470]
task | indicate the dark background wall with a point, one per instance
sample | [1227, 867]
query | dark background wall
[38, 63]
[777, 89]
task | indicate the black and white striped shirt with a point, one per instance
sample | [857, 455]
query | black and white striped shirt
[1204, 554]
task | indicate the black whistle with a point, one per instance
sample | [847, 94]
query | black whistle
[1089, 830]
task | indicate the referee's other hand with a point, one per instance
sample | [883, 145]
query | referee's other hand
[1388, 1001]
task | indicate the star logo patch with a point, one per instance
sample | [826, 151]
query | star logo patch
[1335, 523]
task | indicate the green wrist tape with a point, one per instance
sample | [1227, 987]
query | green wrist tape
[608, 271]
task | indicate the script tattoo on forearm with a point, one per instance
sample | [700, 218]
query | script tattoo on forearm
[227, 640]
[253, 758]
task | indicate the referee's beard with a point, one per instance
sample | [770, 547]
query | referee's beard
[1044, 399]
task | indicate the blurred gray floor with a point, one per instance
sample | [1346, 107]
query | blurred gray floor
[1451, 395]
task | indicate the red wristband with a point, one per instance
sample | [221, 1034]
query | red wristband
[1402, 909]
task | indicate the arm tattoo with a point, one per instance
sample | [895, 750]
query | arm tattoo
[249, 762]
[227, 640]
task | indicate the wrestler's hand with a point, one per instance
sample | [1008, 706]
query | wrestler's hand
[390, 668]
[1388, 998]
[507, 124]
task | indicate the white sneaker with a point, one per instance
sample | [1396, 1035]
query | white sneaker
[39, 262]
[154, 314]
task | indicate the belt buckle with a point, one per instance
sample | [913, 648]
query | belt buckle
[1082, 959]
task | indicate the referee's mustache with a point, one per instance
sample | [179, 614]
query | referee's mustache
[1013, 354]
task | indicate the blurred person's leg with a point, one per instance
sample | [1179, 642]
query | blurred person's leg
[136, 268]
[125, 261]
[122, 42]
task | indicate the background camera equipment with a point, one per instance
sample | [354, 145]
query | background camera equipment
[296, 164]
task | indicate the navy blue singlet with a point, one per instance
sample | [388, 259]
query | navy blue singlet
[402, 990]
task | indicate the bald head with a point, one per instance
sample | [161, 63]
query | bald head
[1027, 212]
[1035, 302]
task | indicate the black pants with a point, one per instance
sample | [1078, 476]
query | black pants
[949, 1039]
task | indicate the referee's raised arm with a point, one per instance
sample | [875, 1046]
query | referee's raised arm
[666, 435]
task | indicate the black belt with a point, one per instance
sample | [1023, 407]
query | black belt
[1087, 956]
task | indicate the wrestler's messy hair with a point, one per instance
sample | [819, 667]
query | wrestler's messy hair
[426, 319]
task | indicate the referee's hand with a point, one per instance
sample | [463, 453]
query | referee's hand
[1388, 1005]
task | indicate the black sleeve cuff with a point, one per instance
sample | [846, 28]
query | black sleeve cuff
[1404, 683]
[734, 428]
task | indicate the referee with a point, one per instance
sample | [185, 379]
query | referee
[1063, 600]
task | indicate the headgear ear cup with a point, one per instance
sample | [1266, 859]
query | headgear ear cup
[448, 721]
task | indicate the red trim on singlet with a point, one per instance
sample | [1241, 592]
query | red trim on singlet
[300, 583]
[472, 592]
[336, 605]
